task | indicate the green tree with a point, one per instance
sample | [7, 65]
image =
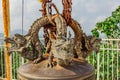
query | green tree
[110, 26]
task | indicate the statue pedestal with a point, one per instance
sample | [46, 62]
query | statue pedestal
[77, 71]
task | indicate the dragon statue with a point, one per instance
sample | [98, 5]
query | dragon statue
[60, 47]
[29, 45]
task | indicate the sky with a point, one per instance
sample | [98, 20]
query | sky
[86, 12]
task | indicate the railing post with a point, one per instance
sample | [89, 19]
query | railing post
[6, 19]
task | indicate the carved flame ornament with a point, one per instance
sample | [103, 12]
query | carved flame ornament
[59, 49]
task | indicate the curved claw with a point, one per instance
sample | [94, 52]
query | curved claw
[50, 65]
[38, 60]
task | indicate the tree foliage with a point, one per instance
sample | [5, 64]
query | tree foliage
[110, 26]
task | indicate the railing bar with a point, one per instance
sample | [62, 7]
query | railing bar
[107, 64]
[13, 65]
[3, 39]
[20, 60]
[112, 62]
[1, 62]
[111, 39]
[103, 61]
[109, 49]
[118, 61]
[98, 66]
[4, 68]
[3, 65]
[15, 61]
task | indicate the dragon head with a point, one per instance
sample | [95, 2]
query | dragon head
[16, 42]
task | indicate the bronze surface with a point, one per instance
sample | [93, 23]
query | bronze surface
[77, 71]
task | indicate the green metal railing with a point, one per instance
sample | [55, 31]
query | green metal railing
[106, 62]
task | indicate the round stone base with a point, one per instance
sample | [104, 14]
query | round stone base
[77, 71]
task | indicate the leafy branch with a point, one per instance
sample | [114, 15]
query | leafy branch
[110, 26]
